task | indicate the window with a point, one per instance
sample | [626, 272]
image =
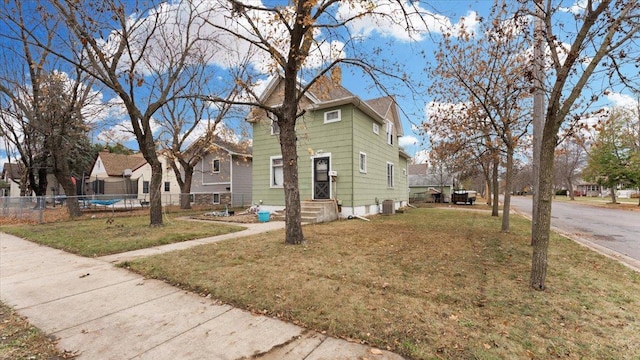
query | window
[389, 133]
[277, 175]
[390, 175]
[275, 128]
[376, 128]
[363, 162]
[404, 172]
[215, 165]
[145, 187]
[332, 116]
[216, 198]
[167, 186]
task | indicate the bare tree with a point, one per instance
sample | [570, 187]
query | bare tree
[604, 38]
[570, 158]
[147, 60]
[286, 38]
[489, 72]
[44, 108]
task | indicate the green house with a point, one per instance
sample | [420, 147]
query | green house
[347, 148]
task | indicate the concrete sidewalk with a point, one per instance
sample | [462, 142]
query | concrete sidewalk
[104, 312]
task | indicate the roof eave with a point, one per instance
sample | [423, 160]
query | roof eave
[354, 100]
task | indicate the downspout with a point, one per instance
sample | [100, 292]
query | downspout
[231, 178]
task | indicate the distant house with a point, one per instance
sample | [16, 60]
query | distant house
[429, 185]
[584, 188]
[348, 153]
[224, 176]
[128, 176]
[11, 175]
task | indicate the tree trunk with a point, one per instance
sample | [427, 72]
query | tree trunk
[495, 189]
[570, 186]
[506, 206]
[614, 200]
[185, 190]
[541, 232]
[293, 216]
[155, 193]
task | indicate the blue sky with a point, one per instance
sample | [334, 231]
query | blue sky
[412, 57]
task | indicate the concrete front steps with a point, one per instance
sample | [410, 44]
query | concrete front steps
[313, 211]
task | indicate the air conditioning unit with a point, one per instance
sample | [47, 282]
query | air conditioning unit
[388, 207]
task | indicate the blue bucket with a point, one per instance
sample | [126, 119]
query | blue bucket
[263, 216]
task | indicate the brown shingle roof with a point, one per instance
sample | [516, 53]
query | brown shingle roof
[11, 171]
[417, 169]
[236, 148]
[381, 105]
[325, 89]
[115, 164]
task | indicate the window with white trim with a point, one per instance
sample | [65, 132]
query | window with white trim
[390, 175]
[215, 165]
[277, 174]
[389, 132]
[332, 116]
[376, 128]
[275, 128]
[216, 198]
[363, 162]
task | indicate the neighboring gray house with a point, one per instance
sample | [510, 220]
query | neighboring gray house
[224, 176]
[429, 185]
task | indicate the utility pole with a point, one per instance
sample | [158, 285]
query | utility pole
[538, 104]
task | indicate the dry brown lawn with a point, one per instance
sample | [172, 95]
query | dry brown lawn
[20, 340]
[430, 283]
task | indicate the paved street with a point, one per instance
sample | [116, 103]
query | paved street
[615, 230]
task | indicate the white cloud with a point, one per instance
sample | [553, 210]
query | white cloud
[408, 141]
[622, 100]
[403, 21]
[167, 30]
[421, 157]
[577, 8]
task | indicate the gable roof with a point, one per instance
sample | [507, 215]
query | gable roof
[233, 148]
[417, 169]
[116, 164]
[419, 176]
[325, 93]
[11, 171]
[385, 107]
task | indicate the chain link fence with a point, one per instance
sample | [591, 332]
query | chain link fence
[35, 208]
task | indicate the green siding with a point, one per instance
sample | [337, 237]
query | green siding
[343, 140]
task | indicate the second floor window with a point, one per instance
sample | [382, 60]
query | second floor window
[215, 165]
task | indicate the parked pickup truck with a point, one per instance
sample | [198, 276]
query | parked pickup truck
[463, 196]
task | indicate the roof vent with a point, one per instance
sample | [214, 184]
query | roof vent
[127, 173]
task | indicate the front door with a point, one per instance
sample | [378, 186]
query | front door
[321, 179]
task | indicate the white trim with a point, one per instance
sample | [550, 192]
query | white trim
[392, 175]
[329, 121]
[213, 168]
[362, 166]
[217, 183]
[313, 175]
[389, 133]
[376, 128]
[231, 177]
[271, 127]
[271, 185]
